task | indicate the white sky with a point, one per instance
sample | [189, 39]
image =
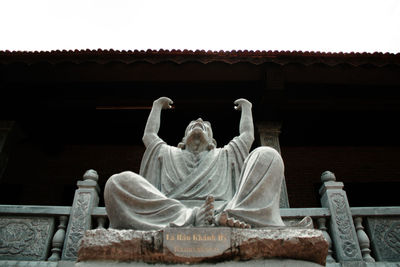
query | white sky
[309, 25]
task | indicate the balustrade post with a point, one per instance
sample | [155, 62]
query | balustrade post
[86, 198]
[322, 227]
[58, 240]
[363, 240]
[342, 228]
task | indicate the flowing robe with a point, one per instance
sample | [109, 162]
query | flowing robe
[177, 175]
[173, 183]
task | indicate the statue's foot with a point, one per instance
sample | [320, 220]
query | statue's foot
[306, 222]
[205, 214]
[224, 220]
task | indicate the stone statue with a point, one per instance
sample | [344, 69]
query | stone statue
[196, 183]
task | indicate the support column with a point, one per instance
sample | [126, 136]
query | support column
[5, 130]
[269, 136]
[86, 198]
[343, 232]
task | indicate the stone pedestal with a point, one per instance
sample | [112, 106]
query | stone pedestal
[253, 263]
[195, 245]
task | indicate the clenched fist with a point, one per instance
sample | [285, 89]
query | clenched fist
[163, 102]
[242, 103]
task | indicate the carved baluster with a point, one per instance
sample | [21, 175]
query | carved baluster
[322, 227]
[363, 240]
[58, 239]
[101, 221]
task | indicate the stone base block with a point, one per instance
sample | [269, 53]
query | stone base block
[195, 245]
[253, 263]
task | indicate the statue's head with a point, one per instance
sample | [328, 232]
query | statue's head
[198, 132]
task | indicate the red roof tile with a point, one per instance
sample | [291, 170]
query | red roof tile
[178, 56]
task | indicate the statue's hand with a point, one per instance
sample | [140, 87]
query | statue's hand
[242, 103]
[163, 102]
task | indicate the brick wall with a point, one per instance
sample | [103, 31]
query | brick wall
[39, 176]
[36, 176]
[371, 174]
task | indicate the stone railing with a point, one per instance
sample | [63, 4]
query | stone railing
[49, 234]
[27, 232]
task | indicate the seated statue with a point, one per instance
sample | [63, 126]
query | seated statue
[196, 183]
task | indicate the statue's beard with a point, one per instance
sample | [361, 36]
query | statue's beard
[197, 140]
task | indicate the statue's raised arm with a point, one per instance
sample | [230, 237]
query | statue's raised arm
[246, 127]
[153, 121]
[197, 184]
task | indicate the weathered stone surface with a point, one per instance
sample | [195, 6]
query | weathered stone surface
[255, 263]
[25, 238]
[121, 245]
[245, 244]
[291, 243]
[385, 237]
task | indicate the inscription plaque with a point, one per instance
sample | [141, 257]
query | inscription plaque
[197, 242]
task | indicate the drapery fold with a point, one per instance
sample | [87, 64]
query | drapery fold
[249, 185]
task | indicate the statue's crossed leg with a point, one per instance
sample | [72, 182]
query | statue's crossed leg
[133, 203]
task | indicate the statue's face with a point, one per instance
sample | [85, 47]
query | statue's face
[199, 130]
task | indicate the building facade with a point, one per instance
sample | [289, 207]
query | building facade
[65, 112]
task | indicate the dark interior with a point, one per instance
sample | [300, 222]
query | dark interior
[69, 117]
